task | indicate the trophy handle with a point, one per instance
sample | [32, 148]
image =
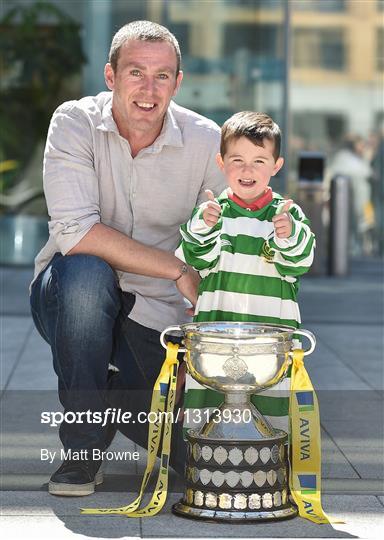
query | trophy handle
[162, 336]
[311, 338]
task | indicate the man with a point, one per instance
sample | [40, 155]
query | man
[122, 171]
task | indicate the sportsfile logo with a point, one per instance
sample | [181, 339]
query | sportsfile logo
[307, 484]
[305, 401]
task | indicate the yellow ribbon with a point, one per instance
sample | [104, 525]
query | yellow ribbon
[8, 165]
[166, 381]
[305, 470]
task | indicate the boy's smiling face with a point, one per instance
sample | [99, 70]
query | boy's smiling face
[248, 168]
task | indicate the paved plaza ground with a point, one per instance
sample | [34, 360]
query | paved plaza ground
[345, 314]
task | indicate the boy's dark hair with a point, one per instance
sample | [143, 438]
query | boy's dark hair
[142, 31]
[256, 126]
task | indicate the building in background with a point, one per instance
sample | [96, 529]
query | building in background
[337, 69]
[235, 56]
[316, 66]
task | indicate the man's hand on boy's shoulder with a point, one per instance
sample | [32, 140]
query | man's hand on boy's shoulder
[282, 220]
[212, 211]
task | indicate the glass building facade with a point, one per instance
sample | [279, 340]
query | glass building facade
[316, 66]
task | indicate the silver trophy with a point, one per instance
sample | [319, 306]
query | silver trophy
[237, 466]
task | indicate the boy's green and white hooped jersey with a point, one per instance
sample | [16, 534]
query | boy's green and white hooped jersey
[247, 275]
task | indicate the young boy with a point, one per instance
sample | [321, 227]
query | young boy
[249, 245]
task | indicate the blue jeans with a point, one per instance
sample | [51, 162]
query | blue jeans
[79, 309]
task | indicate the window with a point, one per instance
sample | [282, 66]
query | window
[319, 5]
[319, 48]
[181, 31]
[264, 40]
[321, 130]
[255, 4]
[120, 14]
[380, 49]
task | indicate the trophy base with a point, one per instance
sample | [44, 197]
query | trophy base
[191, 512]
[236, 481]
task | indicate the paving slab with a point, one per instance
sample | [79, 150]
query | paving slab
[359, 406]
[34, 370]
[365, 452]
[70, 527]
[14, 332]
[14, 284]
[334, 463]
[45, 516]
[355, 299]
[328, 372]
[359, 351]
[295, 528]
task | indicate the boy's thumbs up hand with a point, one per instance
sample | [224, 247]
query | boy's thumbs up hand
[287, 206]
[212, 211]
[282, 220]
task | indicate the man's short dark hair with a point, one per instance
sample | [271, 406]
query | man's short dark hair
[256, 126]
[142, 31]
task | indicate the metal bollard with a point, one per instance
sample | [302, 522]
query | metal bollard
[339, 225]
[310, 197]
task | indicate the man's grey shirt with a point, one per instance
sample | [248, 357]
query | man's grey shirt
[91, 177]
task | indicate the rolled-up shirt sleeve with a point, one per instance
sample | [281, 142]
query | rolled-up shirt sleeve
[70, 183]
